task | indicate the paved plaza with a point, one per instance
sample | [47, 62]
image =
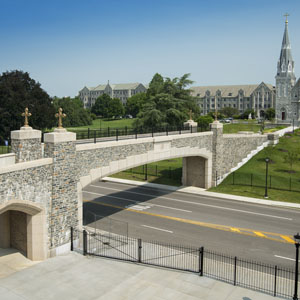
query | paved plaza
[74, 276]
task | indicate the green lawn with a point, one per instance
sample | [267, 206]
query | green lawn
[280, 173]
[104, 123]
[163, 172]
[251, 126]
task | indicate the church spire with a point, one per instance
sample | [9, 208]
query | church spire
[285, 66]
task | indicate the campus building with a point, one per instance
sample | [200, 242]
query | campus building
[258, 97]
[88, 95]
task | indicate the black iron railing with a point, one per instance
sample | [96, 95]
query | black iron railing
[274, 280]
[104, 134]
[259, 180]
[5, 147]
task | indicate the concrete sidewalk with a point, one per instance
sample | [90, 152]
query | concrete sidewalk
[74, 276]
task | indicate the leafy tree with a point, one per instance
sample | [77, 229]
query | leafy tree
[204, 121]
[101, 106]
[171, 98]
[246, 113]
[135, 103]
[290, 158]
[73, 108]
[156, 85]
[270, 113]
[229, 112]
[115, 108]
[18, 91]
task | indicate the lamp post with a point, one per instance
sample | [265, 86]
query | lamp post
[266, 187]
[297, 244]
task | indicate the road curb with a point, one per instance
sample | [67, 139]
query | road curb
[200, 191]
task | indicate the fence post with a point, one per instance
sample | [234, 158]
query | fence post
[275, 281]
[191, 129]
[156, 170]
[84, 242]
[139, 250]
[167, 130]
[201, 256]
[95, 140]
[234, 277]
[152, 132]
[108, 131]
[170, 174]
[72, 246]
[270, 181]
[117, 134]
[88, 133]
[125, 130]
[146, 172]
[135, 133]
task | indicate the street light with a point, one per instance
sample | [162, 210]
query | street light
[297, 244]
[266, 188]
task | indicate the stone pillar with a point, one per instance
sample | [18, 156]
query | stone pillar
[190, 123]
[26, 144]
[217, 167]
[194, 171]
[63, 211]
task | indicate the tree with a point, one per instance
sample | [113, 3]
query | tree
[290, 158]
[270, 113]
[101, 106]
[135, 103]
[115, 108]
[204, 121]
[73, 108]
[229, 112]
[171, 98]
[18, 91]
[246, 113]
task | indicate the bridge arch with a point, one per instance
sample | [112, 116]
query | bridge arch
[202, 158]
[23, 227]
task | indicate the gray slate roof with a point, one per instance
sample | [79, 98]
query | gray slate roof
[226, 90]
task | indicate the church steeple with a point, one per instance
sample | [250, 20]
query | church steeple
[285, 66]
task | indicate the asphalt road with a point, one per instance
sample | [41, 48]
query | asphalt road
[250, 231]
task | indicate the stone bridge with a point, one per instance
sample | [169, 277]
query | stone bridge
[41, 183]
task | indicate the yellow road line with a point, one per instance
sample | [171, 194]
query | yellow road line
[259, 234]
[288, 239]
[249, 232]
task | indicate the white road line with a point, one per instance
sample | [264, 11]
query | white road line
[200, 204]
[137, 202]
[293, 259]
[157, 228]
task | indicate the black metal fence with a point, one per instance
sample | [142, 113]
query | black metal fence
[5, 147]
[273, 280]
[259, 180]
[156, 171]
[129, 132]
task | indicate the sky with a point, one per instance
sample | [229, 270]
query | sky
[68, 44]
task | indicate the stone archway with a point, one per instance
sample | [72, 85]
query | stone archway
[23, 227]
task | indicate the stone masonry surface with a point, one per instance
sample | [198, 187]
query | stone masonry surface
[96, 158]
[64, 208]
[33, 184]
[27, 149]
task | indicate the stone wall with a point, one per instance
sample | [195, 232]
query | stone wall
[26, 150]
[64, 207]
[235, 147]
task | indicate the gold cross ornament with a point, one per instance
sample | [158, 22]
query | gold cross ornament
[60, 115]
[26, 114]
[286, 17]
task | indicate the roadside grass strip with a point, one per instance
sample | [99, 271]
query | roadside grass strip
[250, 232]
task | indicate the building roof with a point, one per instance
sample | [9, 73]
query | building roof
[227, 90]
[100, 87]
[124, 86]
